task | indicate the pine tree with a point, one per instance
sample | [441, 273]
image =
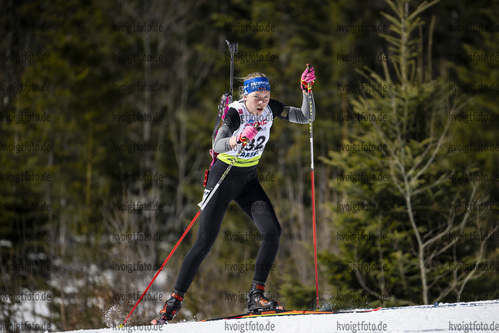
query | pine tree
[399, 212]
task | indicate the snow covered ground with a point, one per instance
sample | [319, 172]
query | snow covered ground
[456, 317]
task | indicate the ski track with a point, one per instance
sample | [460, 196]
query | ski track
[449, 317]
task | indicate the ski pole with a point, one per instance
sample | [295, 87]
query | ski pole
[232, 49]
[202, 205]
[227, 97]
[309, 86]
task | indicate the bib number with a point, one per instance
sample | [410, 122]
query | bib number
[256, 144]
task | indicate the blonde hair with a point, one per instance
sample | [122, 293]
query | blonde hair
[247, 77]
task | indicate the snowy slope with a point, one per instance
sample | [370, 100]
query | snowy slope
[464, 317]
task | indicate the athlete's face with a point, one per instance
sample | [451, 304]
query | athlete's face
[257, 101]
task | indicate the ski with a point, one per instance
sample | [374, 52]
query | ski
[273, 313]
[358, 310]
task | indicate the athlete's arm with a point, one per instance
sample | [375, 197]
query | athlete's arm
[294, 114]
[222, 142]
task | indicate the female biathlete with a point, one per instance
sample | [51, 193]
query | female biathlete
[247, 121]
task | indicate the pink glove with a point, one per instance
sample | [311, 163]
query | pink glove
[308, 78]
[248, 134]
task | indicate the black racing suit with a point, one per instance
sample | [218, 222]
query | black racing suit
[242, 186]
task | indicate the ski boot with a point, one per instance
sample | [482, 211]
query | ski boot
[257, 302]
[172, 306]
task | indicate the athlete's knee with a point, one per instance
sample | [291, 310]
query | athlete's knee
[277, 231]
[264, 216]
[202, 249]
[274, 232]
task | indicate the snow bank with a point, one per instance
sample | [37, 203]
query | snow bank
[456, 317]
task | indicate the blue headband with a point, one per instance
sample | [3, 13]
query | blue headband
[256, 84]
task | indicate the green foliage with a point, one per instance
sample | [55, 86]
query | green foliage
[412, 197]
